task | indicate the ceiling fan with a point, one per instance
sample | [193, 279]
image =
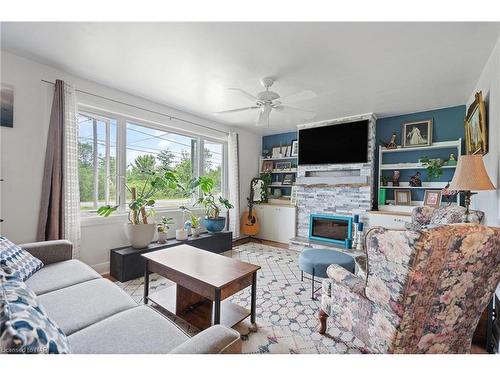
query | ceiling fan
[266, 101]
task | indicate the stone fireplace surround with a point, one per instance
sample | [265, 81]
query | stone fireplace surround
[343, 189]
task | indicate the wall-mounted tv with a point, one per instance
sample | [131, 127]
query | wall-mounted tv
[334, 144]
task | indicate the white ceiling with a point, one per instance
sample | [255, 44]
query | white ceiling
[354, 68]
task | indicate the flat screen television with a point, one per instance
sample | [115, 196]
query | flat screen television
[334, 144]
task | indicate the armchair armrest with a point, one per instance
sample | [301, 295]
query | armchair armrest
[348, 280]
[214, 340]
[50, 251]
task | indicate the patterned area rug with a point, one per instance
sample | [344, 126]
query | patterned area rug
[286, 315]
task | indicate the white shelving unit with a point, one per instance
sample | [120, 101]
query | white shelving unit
[454, 146]
[279, 171]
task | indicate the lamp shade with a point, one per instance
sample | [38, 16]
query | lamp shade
[471, 174]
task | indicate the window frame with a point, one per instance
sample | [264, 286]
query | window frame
[121, 154]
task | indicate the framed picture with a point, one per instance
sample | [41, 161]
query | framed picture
[293, 195]
[7, 105]
[402, 197]
[295, 148]
[288, 179]
[432, 198]
[267, 166]
[276, 153]
[288, 150]
[476, 128]
[284, 165]
[417, 134]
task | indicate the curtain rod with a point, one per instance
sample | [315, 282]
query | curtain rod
[145, 109]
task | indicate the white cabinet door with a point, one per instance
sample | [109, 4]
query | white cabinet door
[277, 223]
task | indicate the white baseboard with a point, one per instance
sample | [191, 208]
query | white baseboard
[101, 268]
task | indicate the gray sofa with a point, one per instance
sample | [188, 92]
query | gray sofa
[99, 317]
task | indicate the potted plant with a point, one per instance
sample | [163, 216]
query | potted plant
[385, 180]
[182, 233]
[140, 231]
[163, 228]
[195, 225]
[433, 167]
[212, 221]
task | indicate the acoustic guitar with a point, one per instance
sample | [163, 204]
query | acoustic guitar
[249, 223]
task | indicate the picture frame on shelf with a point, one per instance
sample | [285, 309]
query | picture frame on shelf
[283, 165]
[432, 198]
[417, 133]
[476, 127]
[287, 179]
[267, 166]
[295, 148]
[7, 105]
[276, 152]
[402, 197]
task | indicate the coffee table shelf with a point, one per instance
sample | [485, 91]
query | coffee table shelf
[231, 313]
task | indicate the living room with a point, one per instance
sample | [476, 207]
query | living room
[249, 187]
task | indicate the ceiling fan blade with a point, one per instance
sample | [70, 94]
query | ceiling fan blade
[263, 119]
[308, 115]
[243, 93]
[299, 96]
[235, 110]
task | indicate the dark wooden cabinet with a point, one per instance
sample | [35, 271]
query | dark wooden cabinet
[126, 263]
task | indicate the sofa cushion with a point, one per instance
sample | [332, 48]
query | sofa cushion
[81, 305]
[60, 275]
[24, 325]
[140, 330]
[17, 261]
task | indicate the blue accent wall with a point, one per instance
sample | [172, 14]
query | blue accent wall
[448, 125]
[276, 140]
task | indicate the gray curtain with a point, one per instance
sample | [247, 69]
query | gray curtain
[51, 216]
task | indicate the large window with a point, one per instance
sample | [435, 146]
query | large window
[96, 161]
[114, 151]
[151, 150]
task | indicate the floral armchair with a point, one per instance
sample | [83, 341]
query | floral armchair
[425, 216]
[428, 217]
[424, 291]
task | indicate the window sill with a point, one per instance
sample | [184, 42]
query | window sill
[91, 219]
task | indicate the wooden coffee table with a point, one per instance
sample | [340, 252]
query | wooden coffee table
[204, 281]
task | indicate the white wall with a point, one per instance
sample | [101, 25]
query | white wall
[23, 152]
[489, 84]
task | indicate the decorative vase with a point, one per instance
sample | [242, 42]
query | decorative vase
[214, 224]
[140, 235]
[162, 237]
[196, 232]
[181, 234]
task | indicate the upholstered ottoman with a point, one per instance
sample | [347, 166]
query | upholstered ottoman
[315, 262]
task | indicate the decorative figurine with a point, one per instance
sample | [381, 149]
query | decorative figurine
[415, 180]
[395, 178]
[392, 142]
[452, 160]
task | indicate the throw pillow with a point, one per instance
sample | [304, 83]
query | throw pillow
[17, 261]
[25, 327]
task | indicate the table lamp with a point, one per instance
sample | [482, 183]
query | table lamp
[470, 175]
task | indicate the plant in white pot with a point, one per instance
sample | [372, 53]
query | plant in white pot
[195, 225]
[163, 228]
[140, 231]
[213, 206]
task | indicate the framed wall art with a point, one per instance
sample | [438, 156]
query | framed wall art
[417, 134]
[7, 105]
[476, 127]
